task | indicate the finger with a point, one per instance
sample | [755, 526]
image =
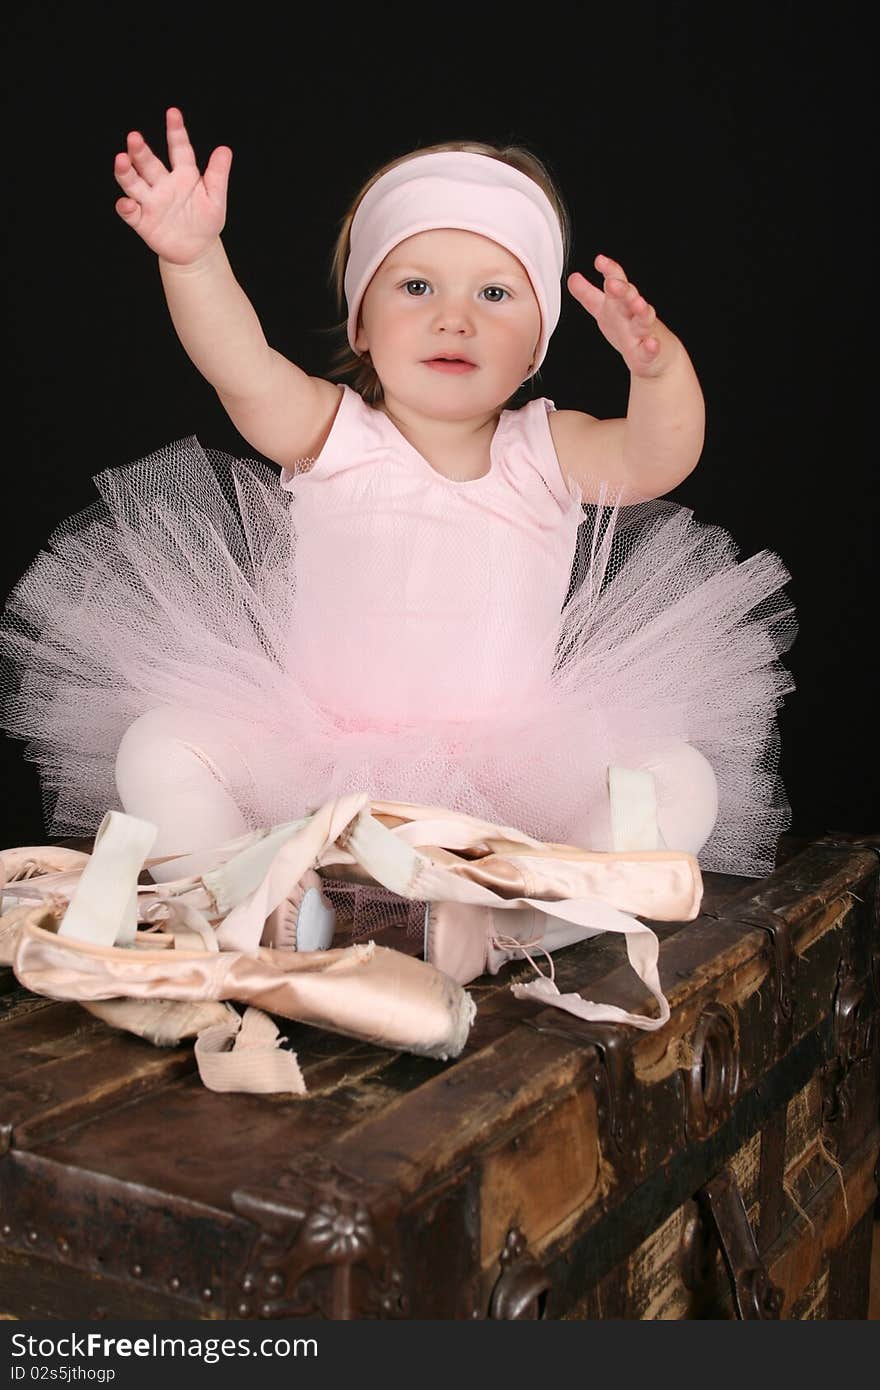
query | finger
[585, 292]
[626, 296]
[129, 179]
[148, 165]
[180, 151]
[634, 306]
[607, 267]
[129, 210]
[217, 173]
[644, 313]
[620, 291]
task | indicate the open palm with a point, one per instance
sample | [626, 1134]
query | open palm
[178, 211]
[626, 319]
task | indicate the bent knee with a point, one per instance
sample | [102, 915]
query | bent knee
[148, 735]
[687, 796]
[172, 746]
[156, 745]
[681, 767]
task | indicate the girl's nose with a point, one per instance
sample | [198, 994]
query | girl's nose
[454, 315]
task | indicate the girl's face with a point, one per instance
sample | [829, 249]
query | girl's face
[455, 293]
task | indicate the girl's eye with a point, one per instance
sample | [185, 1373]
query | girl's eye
[493, 290]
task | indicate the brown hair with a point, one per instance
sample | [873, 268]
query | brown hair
[357, 370]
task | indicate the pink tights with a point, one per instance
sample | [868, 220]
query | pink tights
[171, 769]
[173, 765]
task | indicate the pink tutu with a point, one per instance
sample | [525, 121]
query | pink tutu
[181, 588]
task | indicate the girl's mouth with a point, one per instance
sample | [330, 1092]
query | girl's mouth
[457, 368]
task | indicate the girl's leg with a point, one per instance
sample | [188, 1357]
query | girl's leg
[687, 797]
[173, 767]
[667, 801]
[176, 768]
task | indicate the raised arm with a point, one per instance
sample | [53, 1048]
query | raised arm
[180, 212]
[659, 442]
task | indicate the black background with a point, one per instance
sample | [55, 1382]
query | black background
[723, 155]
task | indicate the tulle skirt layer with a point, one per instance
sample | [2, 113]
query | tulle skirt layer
[175, 590]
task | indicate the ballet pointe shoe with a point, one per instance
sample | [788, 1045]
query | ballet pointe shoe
[456, 939]
[466, 941]
[305, 921]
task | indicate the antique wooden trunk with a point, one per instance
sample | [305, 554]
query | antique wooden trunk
[725, 1166]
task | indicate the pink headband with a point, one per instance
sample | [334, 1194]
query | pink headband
[471, 192]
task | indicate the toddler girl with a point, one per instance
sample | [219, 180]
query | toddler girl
[444, 598]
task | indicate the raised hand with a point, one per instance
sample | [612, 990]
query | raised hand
[178, 211]
[627, 320]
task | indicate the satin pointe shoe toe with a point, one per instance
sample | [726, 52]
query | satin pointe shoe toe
[305, 921]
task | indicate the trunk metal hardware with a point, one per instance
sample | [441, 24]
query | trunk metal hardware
[779, 933]
[852, 1040]
[712, 1083]
[615, 1083]
[520, 1290]
[613, 1079]
[723, 1211]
